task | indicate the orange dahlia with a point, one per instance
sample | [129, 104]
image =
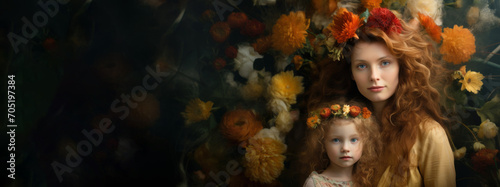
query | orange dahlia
[262, 44]
[458, 44]
[430, 26]
[289, 33]
[240, 125]
[344, 25]
[371, 4]
[264, 159]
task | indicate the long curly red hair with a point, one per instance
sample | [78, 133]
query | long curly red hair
[415, 100]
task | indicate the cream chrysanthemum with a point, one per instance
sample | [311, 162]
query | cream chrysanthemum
[459, 153]
[286, 86]
[478, 146]
[433, 8]
[487, 129]
[197, 110]
[264, 159]
[472, 81]
[284, 122]
[289, 33]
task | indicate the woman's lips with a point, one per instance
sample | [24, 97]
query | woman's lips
[376, 88]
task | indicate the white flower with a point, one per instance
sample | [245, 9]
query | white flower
[272, 132]
[284, 122]
[281, 61]
[478, 146]
[487, 129]
[346, 109]
[230, 79]
[459, 153]
[432, 8]
[320, 20]
[245, 58]
[278, 105]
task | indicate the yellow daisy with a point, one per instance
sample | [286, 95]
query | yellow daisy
[197, 110]
[472, 81]
[286, 86]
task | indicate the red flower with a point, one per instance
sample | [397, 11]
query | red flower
[384, 19]
[219, 63]
[49, 44]
[253, 28]
[231, 52]
[354, 111]
[220, 31]
[237, 19]
[483, 159]
[325, 112]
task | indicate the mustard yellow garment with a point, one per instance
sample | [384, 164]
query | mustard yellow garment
[431, 159]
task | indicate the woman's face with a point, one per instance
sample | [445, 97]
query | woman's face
[375, 71]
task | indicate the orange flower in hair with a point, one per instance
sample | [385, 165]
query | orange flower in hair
[313, 121]
[384, 19]
[335, 108]
[366, 113]
[354, 111]
[458, 44]
[430, 26]
[371, 4]
[344, 25]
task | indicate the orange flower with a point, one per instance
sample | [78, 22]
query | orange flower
[366, 113]
[220, 31]
[325, 112]
[240, 125]
[354, 111]
[325, 7]
[371, 4]
[458, 44]
[219, 63]
[313, 121]
[264, 159]
[289, 33]
[263, 44]
[344, 25]
[335, 108]
[430, 26]
[237, 19]
[297, 61]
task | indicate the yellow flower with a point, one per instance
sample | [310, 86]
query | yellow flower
[264, 159]
[289, 33]
[286, 86]
[197, 110]
[487, 129]
[458, 44]
[284, 121]
[252, 91]
[346, 110]
[459, 153]
[472, 81]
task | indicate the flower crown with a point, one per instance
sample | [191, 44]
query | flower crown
[345, 25]
[336, 110]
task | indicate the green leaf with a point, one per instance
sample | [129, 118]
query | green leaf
[490, 110]
[211, 122]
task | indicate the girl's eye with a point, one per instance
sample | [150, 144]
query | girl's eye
[385, 63]
[336, 140]
[354, 140]
[361, 66]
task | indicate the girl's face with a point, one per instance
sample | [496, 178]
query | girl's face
[343, 144]
[375, 71]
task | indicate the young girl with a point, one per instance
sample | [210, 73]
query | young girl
[394, 69]
[341, 145]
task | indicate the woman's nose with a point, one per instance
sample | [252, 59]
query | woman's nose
[375, 74]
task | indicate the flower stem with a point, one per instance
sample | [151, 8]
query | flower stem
[308, 31]
[470, 131]
[476, 59]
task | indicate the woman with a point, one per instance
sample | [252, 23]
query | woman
[392, 66]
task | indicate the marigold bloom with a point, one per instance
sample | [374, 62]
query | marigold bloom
[220, 31]
[458, 44]
[237, 19]
[264, 159]
[240, 125]
[313, 121]
[286, 86]
[354, 111]
[289, 33]
[385, 20]
[366, 113]
[344, 25]
[472, 81]
[197, 110]
[371, 4]
[430, 26]
[261, 45]
[487, 129]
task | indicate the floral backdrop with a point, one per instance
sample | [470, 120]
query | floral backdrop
[211, 92]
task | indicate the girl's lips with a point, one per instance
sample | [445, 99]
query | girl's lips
[345, 157]
[376, 88]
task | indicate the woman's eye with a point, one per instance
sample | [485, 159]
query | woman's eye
[385, 63]
[361, 66]
[354, 140]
